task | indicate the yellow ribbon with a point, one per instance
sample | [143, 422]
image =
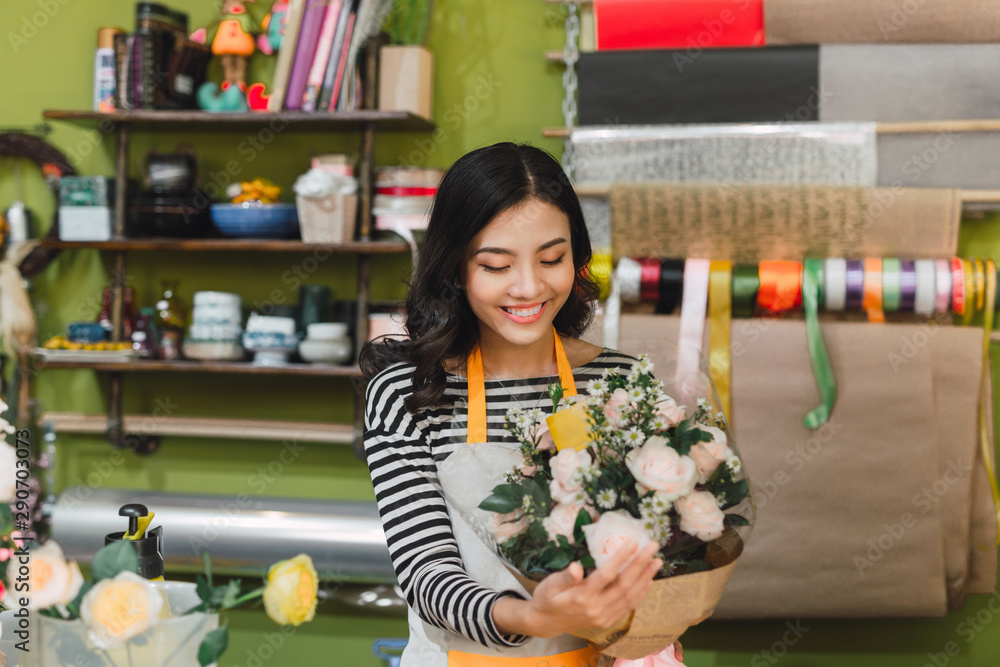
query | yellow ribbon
[720, 313]
[970, 292]
[476, 383]
[985, 444]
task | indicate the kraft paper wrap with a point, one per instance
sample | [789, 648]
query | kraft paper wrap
[751, 223]
[883, 512]
[671, 606]
[826, 22]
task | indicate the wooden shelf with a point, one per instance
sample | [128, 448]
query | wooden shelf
[185, 366]
[231, 245]
[392, 121]
[205, 427]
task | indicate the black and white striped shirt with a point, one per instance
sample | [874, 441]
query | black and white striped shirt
[403, 451]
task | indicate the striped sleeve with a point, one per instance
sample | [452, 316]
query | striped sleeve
[422, 546]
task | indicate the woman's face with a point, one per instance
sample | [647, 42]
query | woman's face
[519, 272]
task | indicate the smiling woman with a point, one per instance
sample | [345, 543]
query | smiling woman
[494, 312]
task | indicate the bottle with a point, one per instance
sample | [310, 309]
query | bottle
[143, 336]
[104, 319]
[171, 318]
[104, 70]
[128, 314]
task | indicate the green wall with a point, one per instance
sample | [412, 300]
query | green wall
[491, 83]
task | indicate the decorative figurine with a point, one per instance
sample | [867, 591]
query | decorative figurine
[232, 40]
[274, 25]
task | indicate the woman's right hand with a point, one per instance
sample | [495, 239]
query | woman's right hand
[566, 601]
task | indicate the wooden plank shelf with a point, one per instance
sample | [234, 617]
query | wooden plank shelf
[187, 366]
[392, 121]
[230, 245]
[205, 427]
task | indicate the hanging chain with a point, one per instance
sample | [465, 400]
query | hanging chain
[571, 54]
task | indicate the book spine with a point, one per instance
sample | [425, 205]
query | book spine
[312, 23]
[286, 54]
[343, 62]
[314, 83]
[335, 48]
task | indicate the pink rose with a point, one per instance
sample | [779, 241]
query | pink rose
[700, 515]
[708, 455]
[528, 470]
[615, 406]
[658, 467]
[672, 413]
[545, 441]
[563, 488]
[611, 532]
[562, 520]
[505, 526]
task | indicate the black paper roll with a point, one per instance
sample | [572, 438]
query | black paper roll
[671, 285]
[779, 83]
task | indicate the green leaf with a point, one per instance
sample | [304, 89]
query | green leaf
[499, 504]
[556, 393]
[736, 520]
[540, 494]
[207, 560]
[582, 519]
[204, 589]
[735, 492]
[698, 566]
[6, 518]
[557, 559]
[116, 557]
[213, 646]
[74, 606]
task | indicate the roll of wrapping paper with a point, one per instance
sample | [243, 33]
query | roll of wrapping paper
[746, 282]
[943, 286]
[957, 286]
[671, 285]
[978, 269]
[855, 284]
[969, 289]
[600, 271]
[891, 284]
[780, 286]
[692, 332]
[926, 287]
[628, 277]
[835, 284]
[649, 280]
[827, 385]
[720, 309]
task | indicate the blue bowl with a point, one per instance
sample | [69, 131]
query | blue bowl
[263, 221]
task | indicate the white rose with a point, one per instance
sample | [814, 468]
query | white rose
[701, 516]
[562, 521]
[563, 488]
[708, 456]
[8, 470]
[116, 610]
[658, 467]
[52, 581]
[672, 413]
[611, 532]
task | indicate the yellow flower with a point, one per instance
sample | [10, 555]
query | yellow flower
[115, 610]
[290, 592]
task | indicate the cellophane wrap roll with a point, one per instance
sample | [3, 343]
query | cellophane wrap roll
[778, 153]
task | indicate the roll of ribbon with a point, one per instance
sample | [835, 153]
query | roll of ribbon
[746, 283]
[720, 313]
[692, 329]
[629, 277]
[649, 281]
[835, 283]
[907, 285]
[671, 285]
[601, 267]
[817, 349]
[957, 286]
[979, 270]
[926, 295]
[891, 284]
[942, 285]
[780, 285]
[873, 290]
[969, 278]
[855, 284]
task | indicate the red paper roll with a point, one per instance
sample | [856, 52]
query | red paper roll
[678, 24]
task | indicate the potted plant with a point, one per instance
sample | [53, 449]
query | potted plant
[406, 66]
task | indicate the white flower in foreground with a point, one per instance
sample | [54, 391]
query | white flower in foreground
[8, 470]
[658, 467]
[611, 532]
[52, 581]
[634, 437]
[636, 394]
[606, 499]
[734, 464]
[701, 516]
[597, 387]
[116, 610]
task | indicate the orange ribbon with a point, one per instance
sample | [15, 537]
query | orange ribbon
[780, 285]
[873, 290]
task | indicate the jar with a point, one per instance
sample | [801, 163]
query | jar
[170, 311]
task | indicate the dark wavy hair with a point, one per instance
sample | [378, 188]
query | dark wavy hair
[479, 187]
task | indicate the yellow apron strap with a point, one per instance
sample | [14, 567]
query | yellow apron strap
[584, 657]
[477, 388]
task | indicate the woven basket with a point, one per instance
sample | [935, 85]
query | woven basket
[329, 220]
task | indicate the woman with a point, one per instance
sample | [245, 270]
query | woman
[493, 316]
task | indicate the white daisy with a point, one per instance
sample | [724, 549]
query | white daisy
[634, 437]
[704, 404]
[607, 499]
[597, 387]
[636, 394]
[721, 499]
[659, 424]
[526, 502]
[633, 376]
[734, 464]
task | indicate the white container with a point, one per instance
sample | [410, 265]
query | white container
[267, 324]
[172, 641]
[325, 351]
[326, 331]
[223, 299]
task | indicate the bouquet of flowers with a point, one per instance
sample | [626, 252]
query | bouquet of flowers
[626, 461]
